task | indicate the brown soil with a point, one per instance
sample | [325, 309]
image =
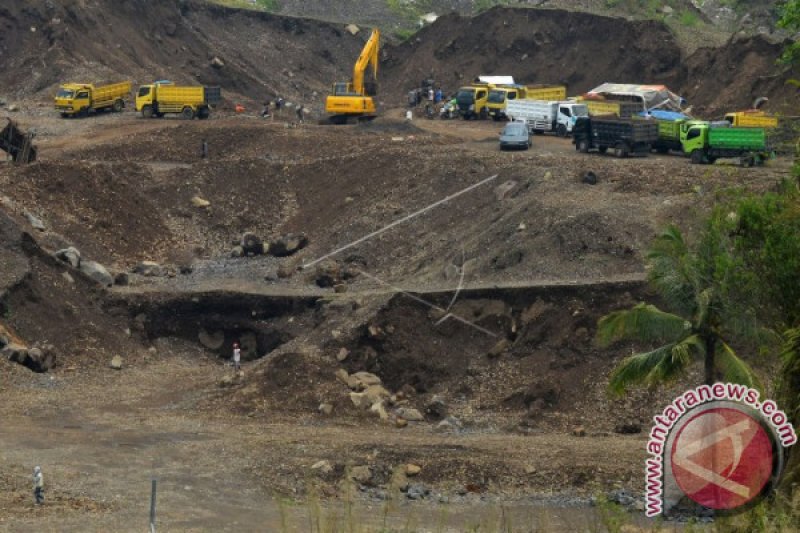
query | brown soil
[536, 46]
[46, 43]
[542, 262]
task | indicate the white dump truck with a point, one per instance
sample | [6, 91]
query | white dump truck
[547, 115]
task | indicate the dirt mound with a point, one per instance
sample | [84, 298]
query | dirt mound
[583, 50]
[45, 43]
[731, 77]
[536, 46]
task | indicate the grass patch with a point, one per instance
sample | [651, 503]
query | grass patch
[258, 5]
[404, 34]
[689, 19]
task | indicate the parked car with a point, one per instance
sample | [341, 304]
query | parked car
[515, 135]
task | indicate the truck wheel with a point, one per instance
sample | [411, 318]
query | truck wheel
[662, 149]
[583, 147]
[748, 161]
[561, 130]
[621, 150]
[187, 113]
[484, 114]
[117, 107]
[147, 111]
[697, 157]
[602, 149]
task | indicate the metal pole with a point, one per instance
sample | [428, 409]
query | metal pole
[153, 508]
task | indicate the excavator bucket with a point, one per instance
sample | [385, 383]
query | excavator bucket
[17, 144]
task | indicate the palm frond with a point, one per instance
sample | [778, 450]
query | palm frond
[680, 357]
[790, 373]
[643, 322]
[663, 364]
[669, 269]
[790, 352]
[734, 369]
[635, 370]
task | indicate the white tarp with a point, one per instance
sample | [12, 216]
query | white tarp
[497, 80]
[653, 96]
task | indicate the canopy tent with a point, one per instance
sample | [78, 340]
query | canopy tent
[497, 80]
[651, 96]
[664, 115]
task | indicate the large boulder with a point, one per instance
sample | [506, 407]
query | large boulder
[97, 272]
[36, 358]
[213, 340]
[410, 414]
[149, 269]
[69, 255]
[369, 397]
[328, 274]
[363, 380]
[288, 244]
[35, 222]
[252, 244]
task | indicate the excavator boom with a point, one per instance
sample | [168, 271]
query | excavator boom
[369, 56]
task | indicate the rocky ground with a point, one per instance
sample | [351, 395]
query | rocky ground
[346, 381]
[445, 364]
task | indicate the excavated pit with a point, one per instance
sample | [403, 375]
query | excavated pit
[217, 320]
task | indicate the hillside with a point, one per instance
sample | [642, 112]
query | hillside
[45, 42]
[695, 22]
[553, 46]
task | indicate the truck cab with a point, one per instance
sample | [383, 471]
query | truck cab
[74, 98]
[694, 136]
[496, 102]
[568, 114]
[145, 96]
[472, 100]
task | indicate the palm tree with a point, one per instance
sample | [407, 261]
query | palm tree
[692, 283]
[790, 398]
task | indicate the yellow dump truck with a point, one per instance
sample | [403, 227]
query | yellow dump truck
[500, 95]
[751, 119]
[160, 98]
[472, 100]
[80, 98]
[620, 108]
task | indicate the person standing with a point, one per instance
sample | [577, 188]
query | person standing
[38, 485]
[300, 112]
[204, 149]
[265, 111]
[237, 356]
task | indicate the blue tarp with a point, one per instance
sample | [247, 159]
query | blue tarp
[660, 114]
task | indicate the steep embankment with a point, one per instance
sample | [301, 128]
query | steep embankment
[582, 51]
[46, 42]
[536, 46]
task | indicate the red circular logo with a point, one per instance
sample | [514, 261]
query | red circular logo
[722, 458]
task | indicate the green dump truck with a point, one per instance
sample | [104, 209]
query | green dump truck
[705, 142]
[669, 134]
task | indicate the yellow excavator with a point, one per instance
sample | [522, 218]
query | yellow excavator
[353, 100]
